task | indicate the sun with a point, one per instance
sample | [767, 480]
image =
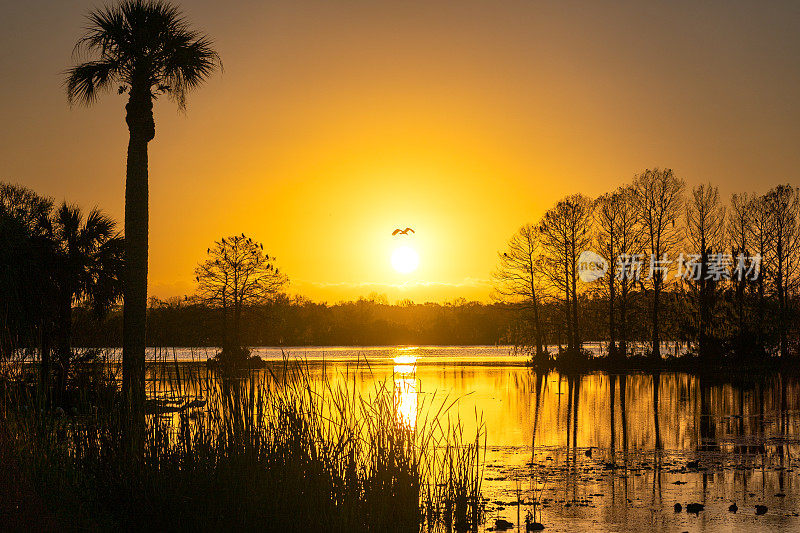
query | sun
[405, 260]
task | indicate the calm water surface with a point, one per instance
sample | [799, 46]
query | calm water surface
[598, 452]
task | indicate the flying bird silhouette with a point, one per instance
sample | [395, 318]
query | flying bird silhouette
[403, 231]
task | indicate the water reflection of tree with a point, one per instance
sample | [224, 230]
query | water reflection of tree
[708, 428]
[656, 385]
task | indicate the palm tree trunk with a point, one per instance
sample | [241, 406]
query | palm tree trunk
[134, 322]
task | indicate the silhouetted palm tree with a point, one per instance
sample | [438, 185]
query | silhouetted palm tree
[87, 267]
[144, 47]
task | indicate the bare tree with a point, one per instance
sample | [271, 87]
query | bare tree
[630, 238]
[739, 227]
[237, 274]
[617, 236]
[607, 240]
[761, 237]
[659, 197]
[783, 205]
[518, 277]
[555, 262]
[705, 236]
[565, 234]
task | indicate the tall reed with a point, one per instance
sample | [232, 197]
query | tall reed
[274, 450]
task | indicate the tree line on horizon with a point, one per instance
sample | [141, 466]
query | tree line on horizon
[722, 278]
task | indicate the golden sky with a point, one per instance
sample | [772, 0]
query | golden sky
[336, 122]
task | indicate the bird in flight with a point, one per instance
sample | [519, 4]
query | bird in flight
[403, 231]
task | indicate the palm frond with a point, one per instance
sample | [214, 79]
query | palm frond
[106, 286]
[84, 81]
[106, 32]
[189, 62]
[97, 229]
[147, 43]
[67, 221]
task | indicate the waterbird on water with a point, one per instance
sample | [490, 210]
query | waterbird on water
[694, 508]
[403, 231]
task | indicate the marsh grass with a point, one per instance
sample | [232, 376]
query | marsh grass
[269, 450]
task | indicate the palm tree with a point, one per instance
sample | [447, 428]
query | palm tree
[87, 267]
[145, 48]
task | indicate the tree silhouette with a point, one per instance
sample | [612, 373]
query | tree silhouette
[565, 234]
[705, 235]
[518, 277]
[738, 233]
[145, 48]
[25, 282]
[617, 235]
[630, 242]
[237, 274]
[761, 236]
[659, 198]
[783, 206]
[87, 267]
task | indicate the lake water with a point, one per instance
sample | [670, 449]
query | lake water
[597, 452]
[424, 355]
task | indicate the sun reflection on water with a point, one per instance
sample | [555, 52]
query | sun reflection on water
[405, 386]
[406, 356]
[405, 399]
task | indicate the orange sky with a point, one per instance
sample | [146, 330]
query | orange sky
[335, 122]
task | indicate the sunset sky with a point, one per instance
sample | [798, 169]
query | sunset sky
[336, 122]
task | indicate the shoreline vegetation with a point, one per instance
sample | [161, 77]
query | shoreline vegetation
[271, 449]
[723, 367]
[584, 363]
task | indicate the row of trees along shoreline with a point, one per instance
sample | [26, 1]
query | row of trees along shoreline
[747, 309]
